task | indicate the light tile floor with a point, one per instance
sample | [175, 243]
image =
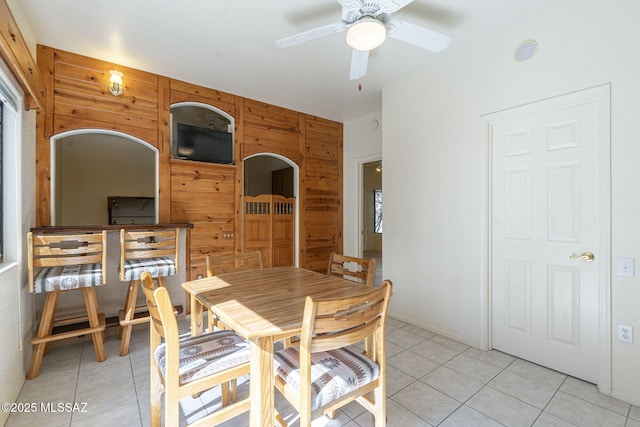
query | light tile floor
[432, 381]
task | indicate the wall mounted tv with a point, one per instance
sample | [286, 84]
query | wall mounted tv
[204, 144]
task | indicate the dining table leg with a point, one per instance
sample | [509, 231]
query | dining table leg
[197, 326]
[262, 411]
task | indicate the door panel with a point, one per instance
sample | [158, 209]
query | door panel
[269, 226]
[545, 186]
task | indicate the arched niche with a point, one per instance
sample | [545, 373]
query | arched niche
[88, 166]
[201, 116]
[257, 179]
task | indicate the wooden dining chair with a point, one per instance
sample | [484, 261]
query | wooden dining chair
[220, 264]
[187, 366]
[364, 272]
[323, 373]
[61, 263]
[153, 251]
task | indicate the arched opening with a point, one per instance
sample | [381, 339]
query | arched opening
[269, 177]
[90, 166]
[201, 132]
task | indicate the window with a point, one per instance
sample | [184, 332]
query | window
[10, 202]
[1, 186]
[377, 211]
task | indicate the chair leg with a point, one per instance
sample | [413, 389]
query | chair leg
[171, 407]
[380, 410]
[91, 302]
[225, 394]
[155, 399]
[44, 329]
[129, 312]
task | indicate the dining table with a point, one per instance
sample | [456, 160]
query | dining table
[264, 306]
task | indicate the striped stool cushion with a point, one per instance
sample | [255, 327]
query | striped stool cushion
[206, 354]
[334, 373]
[157, 267]
[67, 277]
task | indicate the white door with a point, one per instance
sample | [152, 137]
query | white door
[545, 224]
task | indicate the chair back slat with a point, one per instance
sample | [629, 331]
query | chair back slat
[220, 264]
[347, 318]
[65, 239]
[344, 338]
[132, 246]
[150, 253]
[57, 260]
[365, 268]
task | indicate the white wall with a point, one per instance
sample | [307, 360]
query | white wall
[16, 303]
[361, 144]
[432, 139]
[93, 166]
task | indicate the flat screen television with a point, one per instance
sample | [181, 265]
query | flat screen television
[204, 144]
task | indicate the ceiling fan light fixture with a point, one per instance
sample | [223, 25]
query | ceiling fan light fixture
[366, 34]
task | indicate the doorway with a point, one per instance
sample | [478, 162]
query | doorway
[549, 235]
[371, 214]
[270, 220]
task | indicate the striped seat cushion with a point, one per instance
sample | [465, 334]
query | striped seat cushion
[206, 354]
[67, 277]
[334, 373]
[157, 267]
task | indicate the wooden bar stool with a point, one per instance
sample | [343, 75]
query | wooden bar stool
[65, 262]
[153, 251]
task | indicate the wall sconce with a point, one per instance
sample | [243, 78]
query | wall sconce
[115, 82]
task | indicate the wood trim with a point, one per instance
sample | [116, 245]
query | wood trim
[239, 182]
[44, 131]
[164, 148]
[302, 243]
[14, 51]
[92, 228]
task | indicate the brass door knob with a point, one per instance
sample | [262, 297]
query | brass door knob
[586, 256]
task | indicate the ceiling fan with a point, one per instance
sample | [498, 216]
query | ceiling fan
[368, 22]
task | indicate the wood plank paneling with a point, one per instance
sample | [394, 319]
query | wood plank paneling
[267, 128]
[14, 51]
[80, 91]
[209, 196]
[186, 92]
[204, 194]
[44, 129]
[322, 207]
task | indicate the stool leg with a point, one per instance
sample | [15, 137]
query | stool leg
[129, 312]
[125, 309]
[91, 302]
[44, 329]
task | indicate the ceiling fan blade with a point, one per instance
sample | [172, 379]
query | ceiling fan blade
[311, 34]
[390, 6]
[359, 59]
[417, 36]
[351, 4]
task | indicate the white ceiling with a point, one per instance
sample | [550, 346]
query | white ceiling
[229, 45]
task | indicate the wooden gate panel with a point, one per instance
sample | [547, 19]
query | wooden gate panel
[269, 226]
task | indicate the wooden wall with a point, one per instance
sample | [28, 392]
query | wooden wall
[209, 196]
